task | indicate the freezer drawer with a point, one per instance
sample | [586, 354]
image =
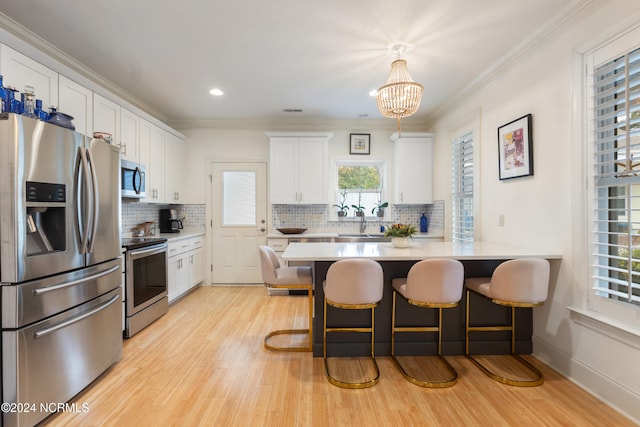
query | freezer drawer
[31, 301]
[53, 360]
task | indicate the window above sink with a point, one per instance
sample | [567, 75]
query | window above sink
[359, 184]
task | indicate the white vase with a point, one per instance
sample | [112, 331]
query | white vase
[400, 242]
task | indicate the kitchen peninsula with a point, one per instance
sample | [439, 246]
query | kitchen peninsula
[478, 258]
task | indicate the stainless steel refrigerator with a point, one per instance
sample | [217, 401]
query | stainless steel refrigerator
[60, 270]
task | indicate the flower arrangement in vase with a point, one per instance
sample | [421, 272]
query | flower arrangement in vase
[400, 234]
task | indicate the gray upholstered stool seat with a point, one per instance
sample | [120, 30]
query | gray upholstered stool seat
[516, 283]
[275, 276]
[435, 284]
[353, 284]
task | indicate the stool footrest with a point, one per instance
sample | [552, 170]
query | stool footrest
[308, 347]
[425, 382]
[537, 377]
[369, 382]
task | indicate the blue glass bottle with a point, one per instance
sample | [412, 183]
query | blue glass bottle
[424, 223]
[14, 104]
[3, 97]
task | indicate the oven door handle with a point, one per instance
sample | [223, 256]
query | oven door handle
[138, 253]
[41, 291]
[46, 331]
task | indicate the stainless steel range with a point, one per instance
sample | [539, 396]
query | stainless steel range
[59, 264]
[145, 282]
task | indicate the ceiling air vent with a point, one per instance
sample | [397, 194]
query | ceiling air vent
[292, 110]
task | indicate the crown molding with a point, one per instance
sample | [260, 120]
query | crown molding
[508, 60]
[307, 125]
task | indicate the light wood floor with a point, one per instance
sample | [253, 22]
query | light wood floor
[203, 364]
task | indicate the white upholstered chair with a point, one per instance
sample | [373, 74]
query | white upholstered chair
[516, 283]
[275, 276]
[435, 284]
[353, 284]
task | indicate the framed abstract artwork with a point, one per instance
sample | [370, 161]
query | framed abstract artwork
[515, 148]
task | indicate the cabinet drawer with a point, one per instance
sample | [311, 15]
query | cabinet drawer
[278, 245]
[196, 242]
[179, 247]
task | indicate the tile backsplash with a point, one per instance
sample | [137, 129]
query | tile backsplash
[305, 216]
[322, 216]
[134, 213]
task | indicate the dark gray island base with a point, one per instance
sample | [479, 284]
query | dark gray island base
[453, 320]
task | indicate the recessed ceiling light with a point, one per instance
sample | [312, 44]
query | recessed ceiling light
[373, 92]
[216, 92]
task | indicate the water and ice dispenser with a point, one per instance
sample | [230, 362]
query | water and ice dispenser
[45, 219]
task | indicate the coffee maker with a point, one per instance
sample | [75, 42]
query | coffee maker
[169, 221]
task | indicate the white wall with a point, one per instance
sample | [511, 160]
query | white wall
[538, 210]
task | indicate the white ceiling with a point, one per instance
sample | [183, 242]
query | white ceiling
[323, 57]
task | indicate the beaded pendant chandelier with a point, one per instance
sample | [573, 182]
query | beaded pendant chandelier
[400, 96]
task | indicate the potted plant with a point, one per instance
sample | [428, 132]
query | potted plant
[359, 209]
[380, 206]
[342, 208]
[400, 234]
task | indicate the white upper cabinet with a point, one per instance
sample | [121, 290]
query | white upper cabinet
[298, 169]
[106, 117]
[129, 135]
[413, 166]
[175, 155]
[76, 101]
[151, 147]
[19, 71]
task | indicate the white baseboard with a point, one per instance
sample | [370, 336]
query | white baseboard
[610, 392]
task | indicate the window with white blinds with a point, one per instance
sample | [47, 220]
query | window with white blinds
[616, 169]
[462, 192]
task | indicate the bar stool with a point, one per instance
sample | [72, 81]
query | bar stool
[515, 283]
[353, 284]
[433, 283]
[277, 277]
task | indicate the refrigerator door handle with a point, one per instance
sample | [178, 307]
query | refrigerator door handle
[83, 202]
[95, 198]
[41, 291]
[46, 331]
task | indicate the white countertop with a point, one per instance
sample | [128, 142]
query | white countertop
[332, 235]
[185, 233]
[418, 250]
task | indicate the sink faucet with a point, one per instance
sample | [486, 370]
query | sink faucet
[363, 224]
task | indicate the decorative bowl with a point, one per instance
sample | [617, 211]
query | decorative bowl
[61, 119]
[291, 230]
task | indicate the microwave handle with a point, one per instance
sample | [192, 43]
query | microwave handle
[137, 172]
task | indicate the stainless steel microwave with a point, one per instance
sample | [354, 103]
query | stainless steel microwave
[132, 179]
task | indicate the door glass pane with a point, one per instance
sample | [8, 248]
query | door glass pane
[239, 198]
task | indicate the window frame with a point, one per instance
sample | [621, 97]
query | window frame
[336, 163]
[465, 141]
[623, 315]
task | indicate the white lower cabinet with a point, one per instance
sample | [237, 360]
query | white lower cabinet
[185, 266]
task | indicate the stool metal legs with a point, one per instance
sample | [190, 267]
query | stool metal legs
[423, 382]
[331, 377]
[308, 332]
[537, 377]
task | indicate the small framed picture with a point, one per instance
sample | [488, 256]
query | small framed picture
[515, 148]
[360, 143]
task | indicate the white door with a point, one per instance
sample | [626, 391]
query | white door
[239, 211]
